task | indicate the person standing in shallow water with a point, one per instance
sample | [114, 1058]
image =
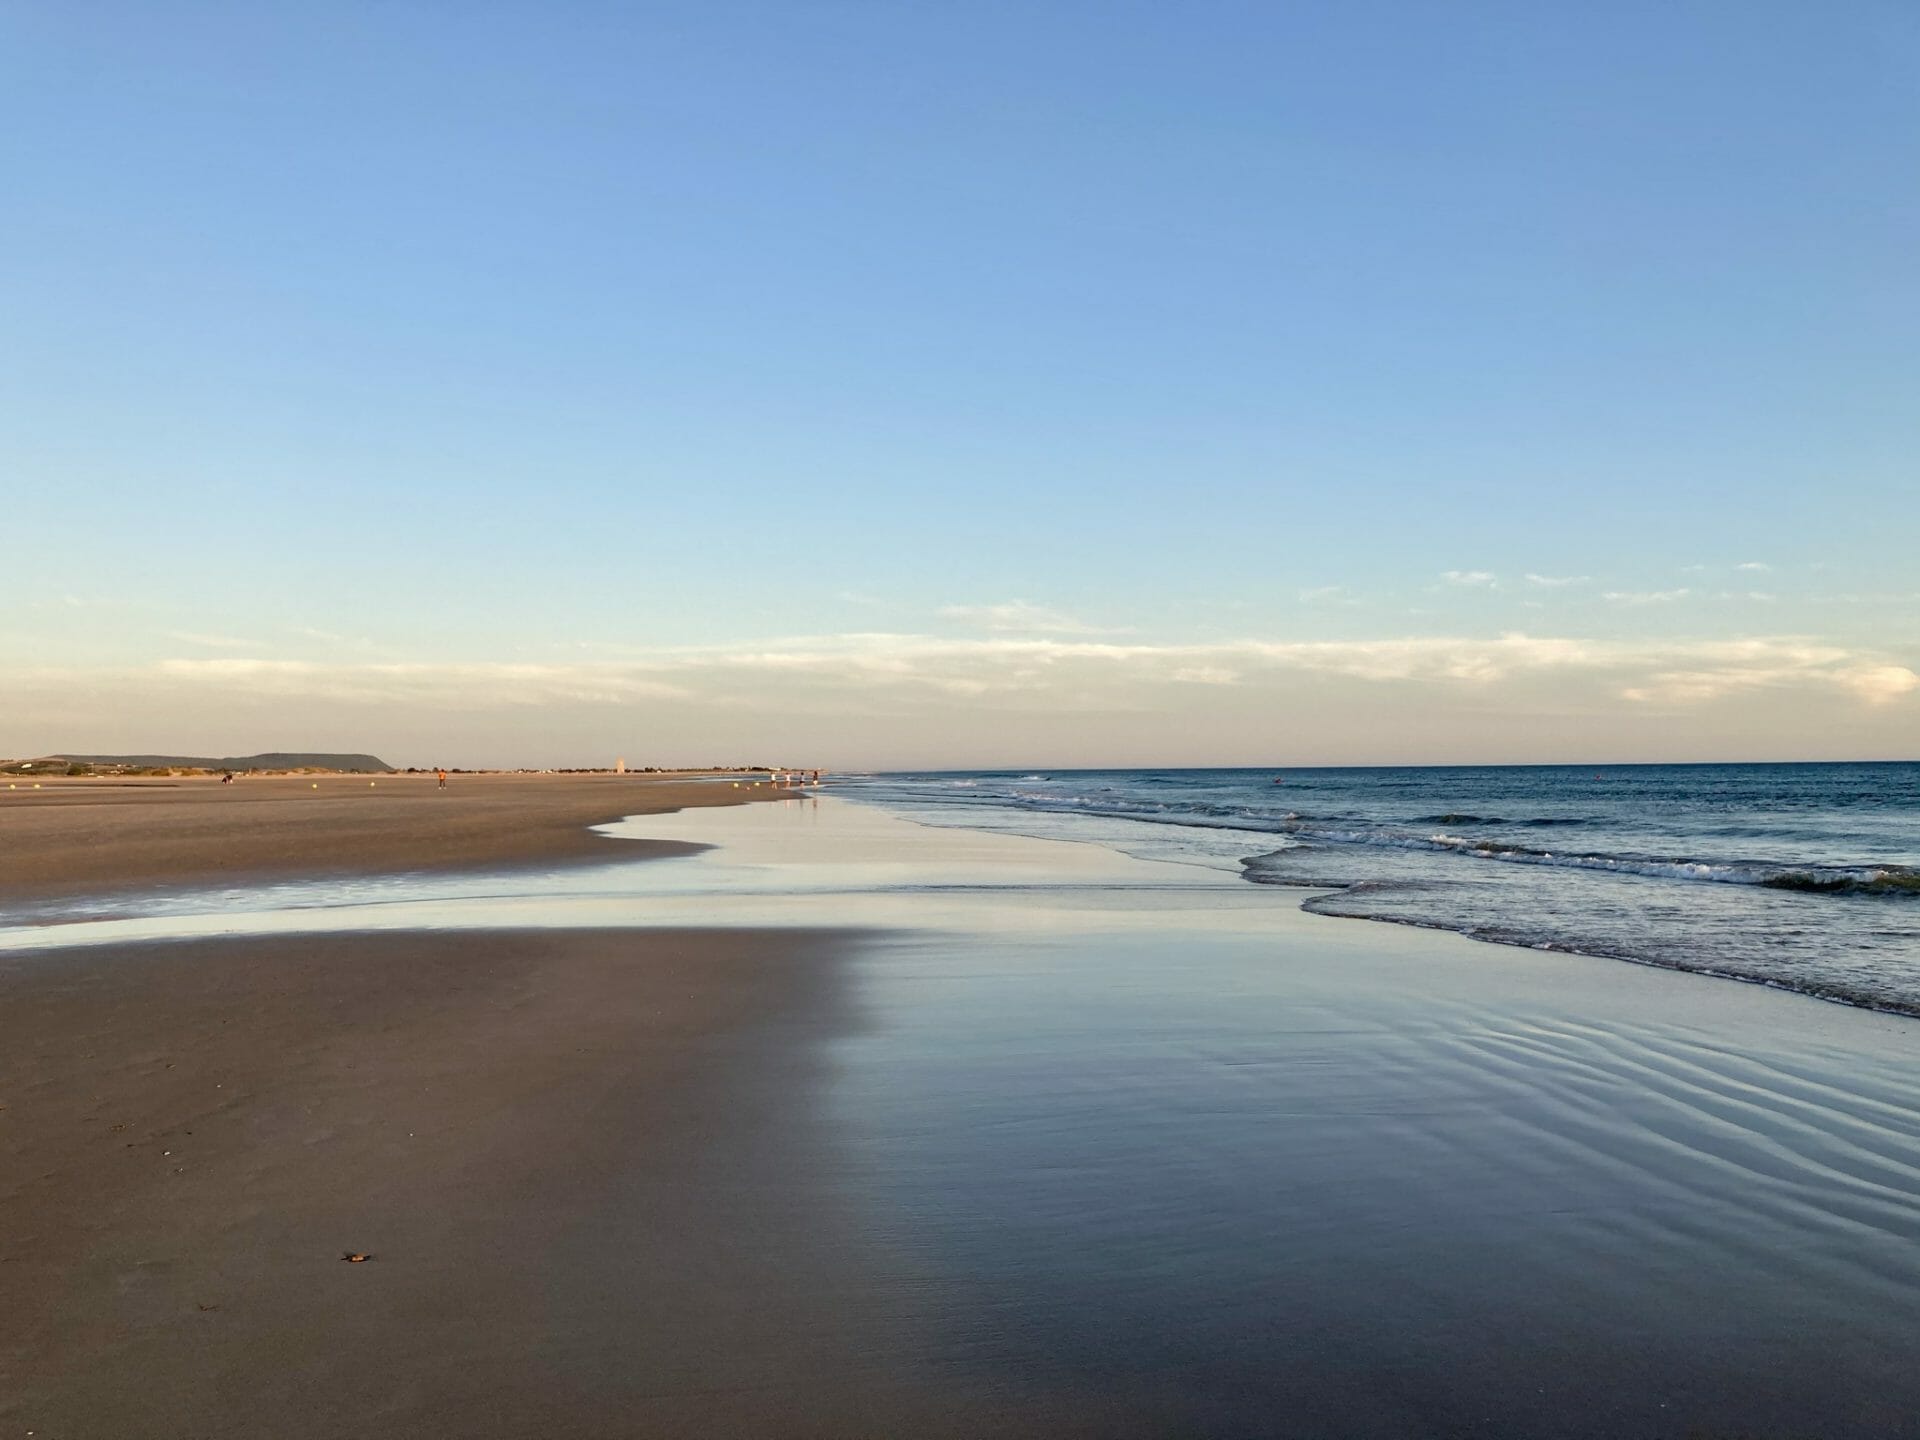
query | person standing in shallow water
[443, 778]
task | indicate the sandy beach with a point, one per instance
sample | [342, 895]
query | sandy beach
[846, 1126]
[90, 837]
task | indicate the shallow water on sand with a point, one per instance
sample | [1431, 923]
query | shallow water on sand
[1384, 1194]
[1147, 1151]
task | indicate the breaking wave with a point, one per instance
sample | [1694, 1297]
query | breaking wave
[1865, 880]
[1879, 880]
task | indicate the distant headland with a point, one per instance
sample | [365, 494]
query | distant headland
[278, 761]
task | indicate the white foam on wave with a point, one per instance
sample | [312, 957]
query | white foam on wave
[1817, 879]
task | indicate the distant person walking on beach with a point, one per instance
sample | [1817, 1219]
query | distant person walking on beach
[443, 779]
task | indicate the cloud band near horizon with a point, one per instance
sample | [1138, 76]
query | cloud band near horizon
[882, 698]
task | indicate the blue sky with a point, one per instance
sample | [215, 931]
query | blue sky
[968, 383]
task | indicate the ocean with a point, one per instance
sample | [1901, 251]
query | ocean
[1801, 876]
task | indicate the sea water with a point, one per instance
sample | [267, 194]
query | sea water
[1802, 876]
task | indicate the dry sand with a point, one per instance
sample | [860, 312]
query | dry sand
[82, 837]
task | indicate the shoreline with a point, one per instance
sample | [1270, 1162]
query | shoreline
[1751, 911]
[1778, 987]
[854, 1126]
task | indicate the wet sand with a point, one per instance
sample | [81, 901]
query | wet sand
[849, 1127]
[81, 837]
[585, 1168]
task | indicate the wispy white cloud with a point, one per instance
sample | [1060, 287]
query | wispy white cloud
[1646, 597]
[1880, 684]
[1738, 667]
[1557, 582]
[502, 685]
[362, 646]
[212, 642]
[1470, 579]
[1020, 616]
[1067, 673]
[1756, 566]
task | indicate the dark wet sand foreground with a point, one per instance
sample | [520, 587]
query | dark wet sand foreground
[585, 1168]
